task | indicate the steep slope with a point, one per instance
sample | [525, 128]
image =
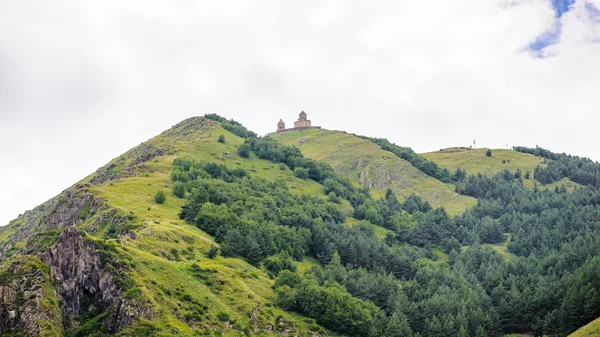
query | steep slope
[367, 165]
[592, 329]
[476, 161]
[132, 249]
[28, 303]
[122, 264]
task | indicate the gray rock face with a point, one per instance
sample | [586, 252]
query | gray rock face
[80, 279]
[83, 282]
[28, 303]
[126, 166]
[70, 208]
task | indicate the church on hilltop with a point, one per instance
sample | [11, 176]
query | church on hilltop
[301, 124]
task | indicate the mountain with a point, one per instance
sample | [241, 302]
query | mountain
[121, 263]
[208, 229]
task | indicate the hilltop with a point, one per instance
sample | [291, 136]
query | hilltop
[208, 229]
[367, 165]
[475, 161]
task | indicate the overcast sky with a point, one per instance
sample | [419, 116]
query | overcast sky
[83, 81]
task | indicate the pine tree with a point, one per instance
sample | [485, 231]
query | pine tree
[253, 253]
[462, 332]
[398, 326]
[335, 259]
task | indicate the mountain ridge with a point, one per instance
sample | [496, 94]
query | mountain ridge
[259, 237]
[96, 205]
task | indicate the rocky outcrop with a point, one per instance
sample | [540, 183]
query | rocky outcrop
[79, 276]
[86, 277]
[73, 278]
[28, 303]
[126, 312]
[71, 208]
[127, 164]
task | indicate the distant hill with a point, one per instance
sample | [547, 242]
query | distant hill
[366, 164]
[476, 161]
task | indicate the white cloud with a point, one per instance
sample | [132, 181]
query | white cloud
[82, 82]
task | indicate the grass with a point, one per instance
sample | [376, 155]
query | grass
[475, 161]
[306, 264]
[570, 185]
[380, 232]
[500, 248]
[592, 329]
[442, 257]
[503, 251]
[366, 164]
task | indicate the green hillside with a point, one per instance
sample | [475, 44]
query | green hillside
[367, 165]
[476, 161]
[590, 330]
[181, 291]
[209, 230]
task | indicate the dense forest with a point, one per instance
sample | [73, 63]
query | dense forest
[547, 282]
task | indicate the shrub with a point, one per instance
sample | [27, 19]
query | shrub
[244, 150]
[301, 172]
[286, 297]
[488, 153]
[175, 253]
[223, 317]
[518, 174]
[221, 139]
[160, 197]
[213, 251]
[179, 189]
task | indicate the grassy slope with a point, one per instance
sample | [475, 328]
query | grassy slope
[475, 161]
[233, 287]
[356, 158]
[592, 329]
[164, 248]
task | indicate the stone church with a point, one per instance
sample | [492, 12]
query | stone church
[301, 124]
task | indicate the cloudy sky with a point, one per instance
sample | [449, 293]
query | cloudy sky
[83, 81]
